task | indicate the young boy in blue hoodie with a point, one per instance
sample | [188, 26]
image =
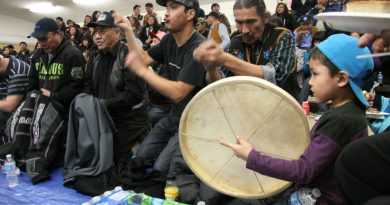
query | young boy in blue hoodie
[337, 76]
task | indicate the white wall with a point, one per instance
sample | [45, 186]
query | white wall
[14, 30]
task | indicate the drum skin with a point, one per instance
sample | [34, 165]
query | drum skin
[254, 109]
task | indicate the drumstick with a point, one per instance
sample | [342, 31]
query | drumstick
[373, 55]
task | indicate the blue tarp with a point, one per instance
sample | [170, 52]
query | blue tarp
[49, 192]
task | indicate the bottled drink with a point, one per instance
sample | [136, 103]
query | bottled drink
[304, 196]
[380, 78]
[171, 190]
[9, 163]
[10, 171]
[306, 108]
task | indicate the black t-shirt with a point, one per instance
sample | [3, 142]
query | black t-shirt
[180, 65]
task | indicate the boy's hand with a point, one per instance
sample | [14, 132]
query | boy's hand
[241, 149]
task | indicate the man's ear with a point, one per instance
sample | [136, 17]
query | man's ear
[343, 78]
[192, 14]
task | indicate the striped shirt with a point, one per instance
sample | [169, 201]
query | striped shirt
[15, 81]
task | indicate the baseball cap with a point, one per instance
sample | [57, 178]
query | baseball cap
[194, 4]
[105, 19]
[342, 50]
[201, 20]
[305, 19]
[159, 34]
[44, 26]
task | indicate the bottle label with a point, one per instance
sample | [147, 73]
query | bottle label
[9, 166]
[294, 199]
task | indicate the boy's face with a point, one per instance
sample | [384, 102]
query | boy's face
[323, 85]
[306, 26]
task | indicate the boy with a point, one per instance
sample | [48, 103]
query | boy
[305, 32]
[337, 76]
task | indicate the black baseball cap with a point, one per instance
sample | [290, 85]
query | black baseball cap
[105, 19]
[192, 4]
[44, 26]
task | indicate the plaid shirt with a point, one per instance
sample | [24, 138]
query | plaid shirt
[280, 59]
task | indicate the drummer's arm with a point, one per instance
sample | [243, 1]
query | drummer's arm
[321, 152]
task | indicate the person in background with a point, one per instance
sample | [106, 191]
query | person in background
[95, 15]
[218, 31]
[320, 7]
[150, 12]
[137, 14]
[301, 7]
[24, 53]
[337, 76]
[135, 25]
[11, 50]
[304, 33]
[84, 29]
[221, 17]
[288, 20]
[201, 27]
[61, 24]
[75, 35]
[151, 26]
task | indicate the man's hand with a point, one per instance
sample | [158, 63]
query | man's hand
[241, 149]
[380, 44]
[122, 22]
[135, 63]
[45, 92]
[210, 54]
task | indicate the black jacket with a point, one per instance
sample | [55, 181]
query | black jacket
[124, 93]
[63, 76]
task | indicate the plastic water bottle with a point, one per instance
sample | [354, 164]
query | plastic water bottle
[10, 171]
[171, 190]
[304, 196]
[380, 78]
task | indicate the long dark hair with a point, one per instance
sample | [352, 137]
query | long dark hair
[285, 12]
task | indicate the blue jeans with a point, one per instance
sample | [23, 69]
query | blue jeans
[155, 114]
[161, 143]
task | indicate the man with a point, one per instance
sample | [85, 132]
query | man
[123, 93]
[24, 53]
[221, 17]
[59, 64]
[61, 24]
[137, 13]
[16, 81]
[11, 50]
[202, 28]
[150, 12]
[218, 31]
[261, 50]
[184, 76]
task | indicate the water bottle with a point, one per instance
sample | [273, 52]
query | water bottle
[304, 196]
[11, 172]
[380, 78]
[171, 190]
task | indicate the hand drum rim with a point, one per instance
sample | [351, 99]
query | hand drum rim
[220, 170]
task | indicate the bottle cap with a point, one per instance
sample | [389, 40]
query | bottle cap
[316, 193]
[171, 192]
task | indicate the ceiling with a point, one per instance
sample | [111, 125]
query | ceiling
[69, 10]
